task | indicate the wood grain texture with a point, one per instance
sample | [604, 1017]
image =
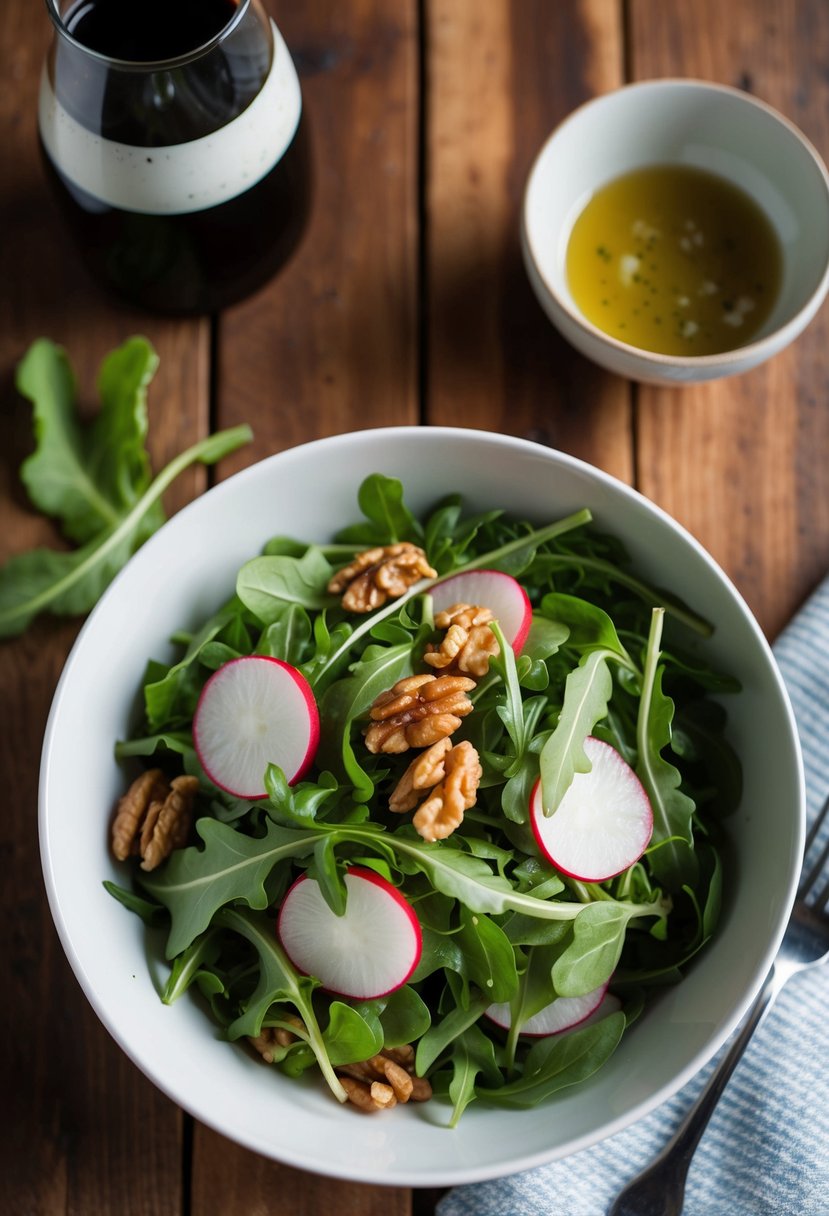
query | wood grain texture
[331, 345]
[500, 76]
[86, 1132]
[742, 462]
[228, 1179]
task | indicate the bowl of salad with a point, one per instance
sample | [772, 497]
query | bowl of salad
[420, 805]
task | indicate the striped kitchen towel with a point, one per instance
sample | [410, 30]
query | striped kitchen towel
[766, 1149]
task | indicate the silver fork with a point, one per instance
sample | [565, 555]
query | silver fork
[660, 1189]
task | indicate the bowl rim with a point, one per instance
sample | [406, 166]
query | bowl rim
[753, 350]
[407, 1177]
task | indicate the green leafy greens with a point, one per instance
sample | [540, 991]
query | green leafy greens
[94, 480]
[499, 924]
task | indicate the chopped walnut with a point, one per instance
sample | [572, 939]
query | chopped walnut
[457, 791]
[384, 1080]
[468, 643]
[417, 712]
[380, 574]
[424, 772]
[153, 817]
[271, 1039]
[368, 1096]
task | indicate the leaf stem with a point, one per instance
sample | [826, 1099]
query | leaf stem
[676, 609]
[206, 450]
[539, 537]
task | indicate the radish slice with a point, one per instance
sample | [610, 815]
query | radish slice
[610, 1003]
[603, 823]
[560, 1014]
[500, 593]
[252, 712]
[367, 952]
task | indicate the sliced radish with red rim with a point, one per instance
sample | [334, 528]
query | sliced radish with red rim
[500, 593]
[366, 953]
[561, 1014]
[252, 712]
[604, 822]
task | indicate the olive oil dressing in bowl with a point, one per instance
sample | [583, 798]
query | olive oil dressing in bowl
[677, 231]
[676, 260]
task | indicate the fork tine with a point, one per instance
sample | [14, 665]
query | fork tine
[809, 877]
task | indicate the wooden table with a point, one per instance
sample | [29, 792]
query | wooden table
[407, 302]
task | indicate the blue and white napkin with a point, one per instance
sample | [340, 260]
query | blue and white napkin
[766, 1149]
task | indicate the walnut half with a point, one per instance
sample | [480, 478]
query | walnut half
[153, 817]
[452, 774]
[417, 712]
[384, 1080]
[380, 574]
[468, 643]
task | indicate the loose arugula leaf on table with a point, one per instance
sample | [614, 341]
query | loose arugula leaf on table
[95, 481]
[86, 477]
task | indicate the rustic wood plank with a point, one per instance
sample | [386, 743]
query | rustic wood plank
[741, 462]
[86, 1131]
[330, 346]
[500, 77]
[227, 1178]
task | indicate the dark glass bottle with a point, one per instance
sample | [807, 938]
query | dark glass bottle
[173, 134]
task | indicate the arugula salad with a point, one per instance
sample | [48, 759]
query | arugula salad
[432, 808]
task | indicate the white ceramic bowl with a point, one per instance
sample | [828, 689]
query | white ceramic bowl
[185, 572]
[691, 123]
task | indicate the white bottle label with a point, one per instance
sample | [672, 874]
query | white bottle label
[178, 178]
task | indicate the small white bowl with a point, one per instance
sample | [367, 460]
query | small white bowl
[690, 123]
[184, 573]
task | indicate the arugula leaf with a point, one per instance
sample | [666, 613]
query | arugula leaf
[87, 477]
[586, 694]
[150, 913]
[349, 1037]
[488, 956]
[440, 1034]
[389, 520]
[471, 881]
[266, 584]
[278, 981]
[148, 745]
[102, 497]
[674, 863]
[590, 959]
[404, 1016]
[472, 1054]
[558, 1061]
[188, 966]
[588, 627]
[175, 691]
[194, 883]
[288, 636]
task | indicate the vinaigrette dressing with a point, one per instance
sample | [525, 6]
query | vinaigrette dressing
[675, 260]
